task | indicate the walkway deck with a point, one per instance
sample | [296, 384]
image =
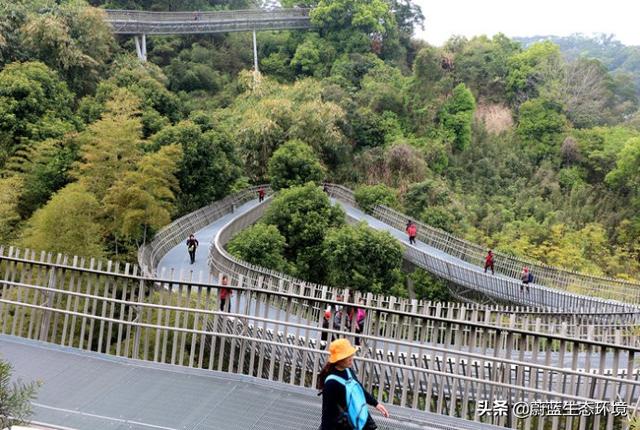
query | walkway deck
[90, 391]
[143, 22]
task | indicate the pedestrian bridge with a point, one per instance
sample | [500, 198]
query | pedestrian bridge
[143, 22]
[441, 360]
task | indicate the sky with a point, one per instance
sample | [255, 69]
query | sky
[444, 18]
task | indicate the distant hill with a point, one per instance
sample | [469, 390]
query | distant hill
[615, 55]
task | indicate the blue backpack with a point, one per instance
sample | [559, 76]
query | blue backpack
[357, 412]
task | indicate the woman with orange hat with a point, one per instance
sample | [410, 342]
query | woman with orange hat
[331, 382]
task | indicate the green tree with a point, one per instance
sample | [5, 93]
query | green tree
[626, 175]
[303, 215]
[369, 196]
[535, 72]
[34, 105]
[456, 117]
[261, 244]
[45, 170]
[313, 57]
[404, 164]
[294, 163]
[429, 287]
[158, 105]
[540, 125]
[75, 41]
[360, 258]
[483, 65]
[382, 89]
[209, 164]
[143, 199]
[351, 25]
[317, 123]
[111, 146]
[15, 398]
[10, 189]
[68, 224]
[349, 69]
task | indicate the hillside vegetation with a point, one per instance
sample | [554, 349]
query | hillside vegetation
[521, 149]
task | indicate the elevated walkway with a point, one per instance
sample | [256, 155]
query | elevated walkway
[89, 391]
[143, 22]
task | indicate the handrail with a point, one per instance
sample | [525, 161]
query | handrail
[143, 22]
[506, 264]
[441, 358]
[327, 297]
[137, 15]
[221, 261]
[149, 254]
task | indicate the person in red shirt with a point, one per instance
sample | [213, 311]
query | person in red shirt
[261, 194]
[488, 262]
[225, 294]
[412, 231]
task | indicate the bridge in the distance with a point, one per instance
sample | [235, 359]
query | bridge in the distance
[143, 23]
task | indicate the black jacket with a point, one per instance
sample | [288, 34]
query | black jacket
[333, 395]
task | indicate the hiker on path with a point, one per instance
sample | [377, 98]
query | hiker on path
[357, 318]
[339, 386]
[488, 262]
[412, 231]
[224, 297]
[526, 277]
[192, 244]
[261, 194]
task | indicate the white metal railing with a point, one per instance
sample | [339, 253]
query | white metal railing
[190, 16]
[149, 254]
[501, 287]
[508, 265]
[427, 363]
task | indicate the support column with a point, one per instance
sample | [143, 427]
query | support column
[138, 49]
[141, 46]
[144, 47]
[255, 53]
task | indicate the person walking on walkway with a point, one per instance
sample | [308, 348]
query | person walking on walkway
[224, 297]
[412, 231]
[192, 244]
[358, 317]
[526, 277]
[488, 262]
[261, 194]
[343, 397]
[326, 320]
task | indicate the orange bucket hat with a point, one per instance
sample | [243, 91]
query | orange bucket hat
[340, 349]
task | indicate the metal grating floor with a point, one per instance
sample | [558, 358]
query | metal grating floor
[89, 391]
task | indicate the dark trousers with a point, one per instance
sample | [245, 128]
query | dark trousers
[223, 304]
[412, 240]
[260, 198]
[489, 265]
[192, 255]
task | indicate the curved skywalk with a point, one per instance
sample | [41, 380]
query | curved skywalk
[89, 391]
[473, 275]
